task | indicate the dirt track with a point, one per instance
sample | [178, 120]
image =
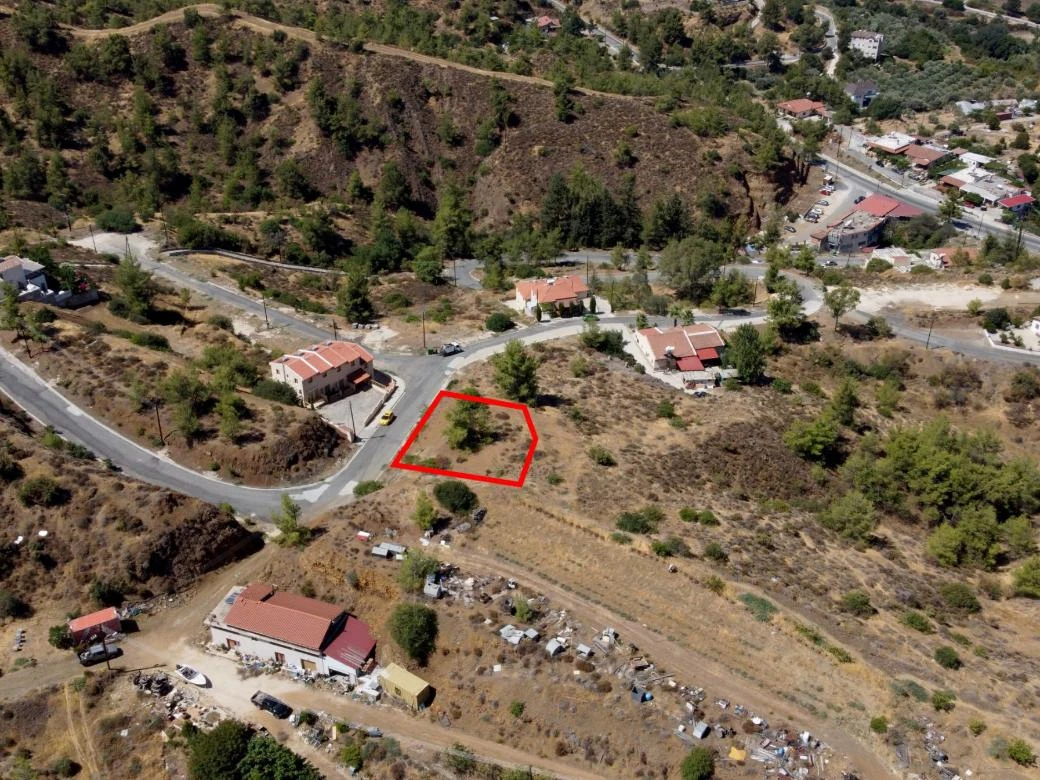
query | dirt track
[255, 23]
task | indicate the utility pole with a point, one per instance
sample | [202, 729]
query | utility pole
[586, 270]
[104, 649]
[424, 329]
[68, 222]
[127, 250]
[263, 300]
[166, 230]
[92, 241]
[353, 428]
[454, 274]
[334, 334]
[158, 420]
[931, 322]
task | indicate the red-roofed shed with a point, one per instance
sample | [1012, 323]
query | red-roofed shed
[90, 627]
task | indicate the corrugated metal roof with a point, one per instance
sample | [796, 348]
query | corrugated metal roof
[93, 619]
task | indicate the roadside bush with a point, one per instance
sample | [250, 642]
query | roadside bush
[876, 265]
[1024, 386]
[602, 456]
[42, 491]
[455, 496]
[280, 392]
[879, 724]
[996, 319]
[221, 321]
[957, 595]
[699, 764]
[985, 279]
[498, 322]
[947, 657]
[857, 603]
[60, 637]
[366, 487]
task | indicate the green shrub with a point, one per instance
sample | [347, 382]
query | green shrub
[643, 521]
[666, 409]
[857, 603]
[414, 628]
[852, 515]
[943, 701]
[280, 392]
[985, 279]
[910, 690]
[516, 709]
[366, 487]
[498, 322]
[879, 724]
[455, 496]
[947, 657]
[812, 439]
[1020, 752]
[976, 726]
[66, 767]
[713, 552]
[117, 220]
[670, 546]
[959, 596]
[841, 655]
[762, 609]
[60, 637]
[916, 621]
[715, 584]
[602, 456]
[42, 491]
[1026, 578]
[782, 386]
[620, 538]
[221, 321]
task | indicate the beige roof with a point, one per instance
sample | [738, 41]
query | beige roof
[411, 684]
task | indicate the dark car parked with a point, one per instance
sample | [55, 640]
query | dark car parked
[97, 653]
[276, 707]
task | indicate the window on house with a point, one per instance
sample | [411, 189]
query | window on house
[279, 657]
[232, 644]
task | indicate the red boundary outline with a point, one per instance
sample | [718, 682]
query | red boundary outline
[398, 462]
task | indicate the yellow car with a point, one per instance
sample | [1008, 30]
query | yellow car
[387, 417]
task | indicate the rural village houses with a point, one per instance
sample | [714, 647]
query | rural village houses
[563, 295]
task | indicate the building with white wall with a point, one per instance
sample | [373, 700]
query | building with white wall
[867, 43]
[294, 631]
[325, 371]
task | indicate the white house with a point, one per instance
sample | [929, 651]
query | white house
[867, 43]
[683, 348]
[23, 274]
[324, 371]
[294, 631]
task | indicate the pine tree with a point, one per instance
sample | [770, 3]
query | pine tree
[516, 373]
[451, 225]
[352, 299]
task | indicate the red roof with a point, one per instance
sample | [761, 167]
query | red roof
[884, 206]
[298, 620]
[800, 106]
[354, 645]
[562, 288]
[1016, 200]
[689, 364]
[257, 591]
[953, 181]
[708, 354]
[319, 358]
[680, 342]
[93, 620]
[925, 155]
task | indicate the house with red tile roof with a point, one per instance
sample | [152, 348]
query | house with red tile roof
[326, 371]
[1018, 204]
[683, 348]
[801, 108]
[90, 628]
[861, 227]
[295, 631]
[561, 292]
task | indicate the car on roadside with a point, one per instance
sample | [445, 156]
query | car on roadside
[95, 654]
[860, 198]
[387, 417]
[823, 203]
[450, 348]
[269, 703]
[831, 264]
[789, 229]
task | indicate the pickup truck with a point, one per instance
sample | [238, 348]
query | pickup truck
[276, 707]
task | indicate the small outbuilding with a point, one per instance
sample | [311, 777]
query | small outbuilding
[88, 628]
[405, 686]
[701, 730]
[554, 647]
[584, 651]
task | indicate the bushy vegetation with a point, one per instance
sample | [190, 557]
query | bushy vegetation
[414, 628]
[455, 496]
[762, 609]
[643, 521]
